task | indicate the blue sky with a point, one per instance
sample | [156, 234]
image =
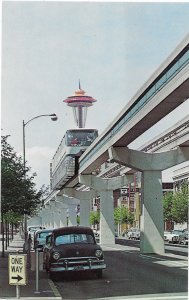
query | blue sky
[112, 47]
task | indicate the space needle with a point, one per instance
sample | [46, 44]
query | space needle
[79, 103]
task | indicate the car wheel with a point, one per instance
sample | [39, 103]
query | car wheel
[184, 242]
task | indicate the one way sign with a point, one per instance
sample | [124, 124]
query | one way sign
[17, 269]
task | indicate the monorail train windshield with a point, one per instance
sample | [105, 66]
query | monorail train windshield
[80, 137]
[65, 161]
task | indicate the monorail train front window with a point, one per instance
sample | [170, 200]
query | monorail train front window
[79, 138]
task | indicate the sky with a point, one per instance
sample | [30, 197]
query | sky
[112, 47]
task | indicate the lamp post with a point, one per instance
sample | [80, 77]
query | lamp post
[53, 118]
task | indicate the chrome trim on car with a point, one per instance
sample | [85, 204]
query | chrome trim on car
[80, 268]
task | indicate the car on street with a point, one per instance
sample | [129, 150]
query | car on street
[73, 249]
[133, 234]
[183, 238]
[97, 235]
[31, 232]
[40, 238]
[166, 233]
[172, 236]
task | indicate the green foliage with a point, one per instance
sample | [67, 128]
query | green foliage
[12, 218]
[18, 191]
[167, 206]
[78, 220]
[176, 205]
[123, 215]
[180, 205]
[94, 217]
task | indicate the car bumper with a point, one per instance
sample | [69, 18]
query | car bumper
[54, 267]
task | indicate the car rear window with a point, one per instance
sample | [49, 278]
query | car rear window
[78, 238]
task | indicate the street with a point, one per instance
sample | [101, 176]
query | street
[129, 273]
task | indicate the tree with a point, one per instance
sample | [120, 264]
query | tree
[180, 205]
[123, 215]
[94, 217]
[175, 206]
[167, 206]
[18, 189]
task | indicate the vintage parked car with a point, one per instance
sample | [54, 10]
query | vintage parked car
[40, 238]
[73, 249]
[133, 234]
[166, 233]
[31, 232]
[172, 236]
[183, 238]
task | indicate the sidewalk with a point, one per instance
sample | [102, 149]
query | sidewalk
[47, 289]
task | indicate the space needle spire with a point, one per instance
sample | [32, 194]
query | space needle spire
[79, 103]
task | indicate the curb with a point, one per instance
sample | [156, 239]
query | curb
[56, 296]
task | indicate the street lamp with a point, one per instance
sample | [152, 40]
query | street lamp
[53, 118]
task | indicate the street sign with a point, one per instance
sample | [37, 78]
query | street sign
[17, 269]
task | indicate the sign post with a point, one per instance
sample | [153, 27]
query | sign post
[17, 271]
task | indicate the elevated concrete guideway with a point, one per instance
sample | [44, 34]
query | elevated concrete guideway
[166, 89]
[175, 136]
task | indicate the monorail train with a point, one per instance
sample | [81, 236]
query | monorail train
[64, 164]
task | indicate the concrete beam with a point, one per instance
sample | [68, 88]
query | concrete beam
[109, 184]
[81, 195]
[148, 161]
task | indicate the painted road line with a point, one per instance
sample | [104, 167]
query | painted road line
[177, 296]
[170, 263]
[54, 289]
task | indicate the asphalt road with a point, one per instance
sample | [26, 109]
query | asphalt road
[128, 273]
[169, 248]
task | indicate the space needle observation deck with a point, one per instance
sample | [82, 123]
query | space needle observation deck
[79, 103]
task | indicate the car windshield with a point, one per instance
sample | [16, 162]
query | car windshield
[42, 235]
[78, 238]
[177, 231]
[33, 229]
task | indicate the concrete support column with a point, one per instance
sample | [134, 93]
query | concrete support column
[72, 215]
[63, 217]
[54, 214]
[51, 221]
[85, 198]
[62, 212]
[36, 220]
[107, 227]
[47, 216]
[42, 214]
[152, 237]
[151, 165]
[105, 187]
[85, 206]
[46, 225]
[70, 204]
